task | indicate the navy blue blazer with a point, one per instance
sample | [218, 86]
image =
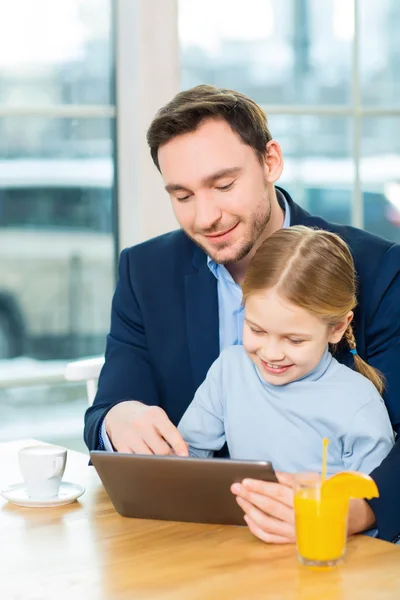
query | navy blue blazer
[164, 334]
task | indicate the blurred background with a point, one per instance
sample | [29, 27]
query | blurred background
[80, 81]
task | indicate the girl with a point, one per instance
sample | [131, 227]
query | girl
[278, 395]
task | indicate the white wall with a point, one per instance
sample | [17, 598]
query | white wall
[147, 77]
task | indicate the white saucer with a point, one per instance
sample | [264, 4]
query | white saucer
[68, 493]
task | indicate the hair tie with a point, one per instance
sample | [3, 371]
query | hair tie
[354, 351]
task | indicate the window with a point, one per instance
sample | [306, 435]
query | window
[328, 76]
[57, 242]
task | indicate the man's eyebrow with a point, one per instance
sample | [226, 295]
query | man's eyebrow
[221, 173]
[176, 187]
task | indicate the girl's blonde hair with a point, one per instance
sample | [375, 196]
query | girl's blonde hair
[312, 269]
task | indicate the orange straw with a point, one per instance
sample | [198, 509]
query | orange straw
[325, 443]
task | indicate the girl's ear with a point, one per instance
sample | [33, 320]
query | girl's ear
[338, 330]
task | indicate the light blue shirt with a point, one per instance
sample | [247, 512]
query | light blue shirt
[286, 424]
[230, 309]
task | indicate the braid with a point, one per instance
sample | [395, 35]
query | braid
[361, 366]
[349, 337]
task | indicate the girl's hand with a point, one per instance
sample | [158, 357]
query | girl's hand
[269, 512]
[268, 508]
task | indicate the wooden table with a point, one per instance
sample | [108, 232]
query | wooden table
[87, 551]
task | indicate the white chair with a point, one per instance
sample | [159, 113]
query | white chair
[87, 370]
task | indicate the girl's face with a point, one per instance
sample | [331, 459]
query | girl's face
[283, 340]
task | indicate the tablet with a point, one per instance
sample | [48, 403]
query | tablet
[176, 488]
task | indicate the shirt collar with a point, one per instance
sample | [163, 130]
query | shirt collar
[285, 205]
[214, 267]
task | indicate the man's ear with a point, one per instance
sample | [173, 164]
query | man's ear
[273, 162]
[338, 330]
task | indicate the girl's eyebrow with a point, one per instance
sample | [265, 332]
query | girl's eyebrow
[253, 323]
[304, 336]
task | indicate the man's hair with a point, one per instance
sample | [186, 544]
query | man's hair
[190, 108]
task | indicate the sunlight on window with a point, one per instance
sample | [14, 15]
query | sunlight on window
[224, 20]
[343, 19]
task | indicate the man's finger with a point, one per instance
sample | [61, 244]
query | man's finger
[171, 435]
[125, 449]
[139, 446]
[156, 443]
[265, 536]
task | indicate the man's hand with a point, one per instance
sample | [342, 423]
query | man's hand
[136, 428]
[269, 511]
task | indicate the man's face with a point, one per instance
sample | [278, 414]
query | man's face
[219, 189]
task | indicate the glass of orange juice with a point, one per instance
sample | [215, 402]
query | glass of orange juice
[321, 522]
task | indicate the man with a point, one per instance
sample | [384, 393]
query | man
[178, 300]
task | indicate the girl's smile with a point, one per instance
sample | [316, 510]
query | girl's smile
[275, 369]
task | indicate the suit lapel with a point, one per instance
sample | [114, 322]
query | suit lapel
[298, 216]
[202, 320]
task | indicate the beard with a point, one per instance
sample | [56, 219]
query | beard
[257, 224]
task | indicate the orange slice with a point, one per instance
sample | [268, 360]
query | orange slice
[350, 484]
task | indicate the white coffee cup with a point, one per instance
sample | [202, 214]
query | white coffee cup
[42, 468]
